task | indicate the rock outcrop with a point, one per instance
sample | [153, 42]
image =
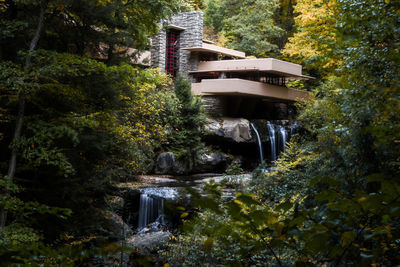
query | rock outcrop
[147, 241]
[234, 129]
[165, 163]
[212, 162]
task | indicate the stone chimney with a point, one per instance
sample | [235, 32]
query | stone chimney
[189, 26]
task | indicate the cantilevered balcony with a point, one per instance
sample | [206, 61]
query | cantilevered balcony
[263, 65]
[247, 88]
[214, 49]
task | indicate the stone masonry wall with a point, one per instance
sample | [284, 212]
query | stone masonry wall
[192, 36]
[158, 50]
[214, 106]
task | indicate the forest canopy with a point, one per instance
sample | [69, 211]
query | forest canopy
[76, 118]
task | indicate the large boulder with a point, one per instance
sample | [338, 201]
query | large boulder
[165, 163]
[148, 241]
[212, 162]
[235, 129]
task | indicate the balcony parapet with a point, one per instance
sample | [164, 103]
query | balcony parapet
[263, 65]
[248, 88]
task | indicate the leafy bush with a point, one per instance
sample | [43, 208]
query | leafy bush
[234, 169]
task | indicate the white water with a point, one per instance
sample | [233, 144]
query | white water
[150, 210]
[259, 142]
[161, 192]
[272, 139]
[283, 136]
[151, 207]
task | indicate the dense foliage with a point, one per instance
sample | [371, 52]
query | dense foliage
[334, 198]
[314, 41]
[248, 26]
[74, 118]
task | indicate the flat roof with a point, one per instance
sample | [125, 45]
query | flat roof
[208, 41]
[175, 27]
[269, 65]
[210, 48]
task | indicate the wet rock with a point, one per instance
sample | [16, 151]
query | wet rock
[153, 227]
[147, 241]
[236, 129]
[165, 163]
[212, 162]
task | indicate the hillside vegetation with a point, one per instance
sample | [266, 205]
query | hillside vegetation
[76, 117]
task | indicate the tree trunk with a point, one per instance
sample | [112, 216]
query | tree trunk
[21, 108]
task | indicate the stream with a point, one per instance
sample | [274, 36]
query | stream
[153, 207]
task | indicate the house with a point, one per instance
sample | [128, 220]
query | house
[230, 84]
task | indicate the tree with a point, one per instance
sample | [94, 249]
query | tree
[314, 41]
[185, 137]
[334, 198]
[285, 20]
[85, 123]
[247, 25]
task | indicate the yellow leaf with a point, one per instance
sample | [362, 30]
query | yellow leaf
[362, 199]
[271, 220]
[184, 215]
[238, 202]
[209, 243]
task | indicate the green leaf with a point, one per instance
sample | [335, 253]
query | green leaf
[285, 206]
[247, 199]
[376, 177]
[347, 238]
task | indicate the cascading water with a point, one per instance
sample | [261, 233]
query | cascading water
[150, 210]
[260, 149]
[283, 136]
[151, 206]
[272, 140]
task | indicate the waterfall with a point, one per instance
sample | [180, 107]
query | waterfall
[283, 134]
[150, 210]
[259, 142]
[272, 139]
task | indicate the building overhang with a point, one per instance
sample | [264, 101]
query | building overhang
[175, 27]
[265, 65]
[210, 48]
[248, 88]
[276, 73]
